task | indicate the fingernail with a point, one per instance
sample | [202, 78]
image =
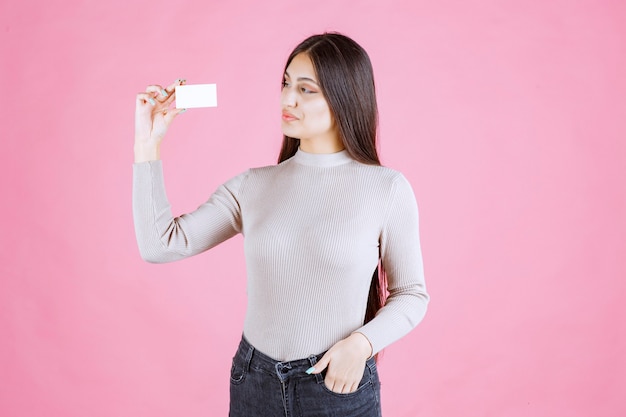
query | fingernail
[310, 370]
[181, 80]
[163, 92]
[182, 111]
[151, 100]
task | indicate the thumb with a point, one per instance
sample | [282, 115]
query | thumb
[171, 113]
[320, 366]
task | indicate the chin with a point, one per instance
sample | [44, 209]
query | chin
[290, 133]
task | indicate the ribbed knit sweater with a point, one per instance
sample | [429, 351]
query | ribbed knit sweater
[314, 229]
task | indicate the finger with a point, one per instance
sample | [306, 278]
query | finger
[158, 93]
[172, 87]
[144, 98]
[170, 90]
[170, 114]
[342, 388]
[331, 385]
[354, 387]
[162, 94]
[154, 88]
[320, 366]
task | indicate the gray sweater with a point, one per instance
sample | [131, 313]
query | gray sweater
[314, 228]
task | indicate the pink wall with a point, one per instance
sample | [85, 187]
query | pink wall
[509, 119]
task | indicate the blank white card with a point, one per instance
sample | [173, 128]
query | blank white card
[196, 95]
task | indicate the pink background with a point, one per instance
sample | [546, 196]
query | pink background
[508, 117]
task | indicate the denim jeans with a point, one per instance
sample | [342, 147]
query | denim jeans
[263, 387]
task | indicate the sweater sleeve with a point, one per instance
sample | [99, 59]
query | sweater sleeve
[400, 252]
[161, 237]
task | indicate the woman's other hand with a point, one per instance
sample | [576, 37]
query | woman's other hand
[346, 363]
[153, 116]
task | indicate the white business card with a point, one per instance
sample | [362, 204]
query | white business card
[196, 95]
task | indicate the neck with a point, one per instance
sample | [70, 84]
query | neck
[322, 160]
[330, 145]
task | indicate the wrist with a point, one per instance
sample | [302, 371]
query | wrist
[364, 344]
[144, 153]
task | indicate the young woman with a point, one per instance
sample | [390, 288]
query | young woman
[328, 233]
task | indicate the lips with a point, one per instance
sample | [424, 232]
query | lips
[288, 117]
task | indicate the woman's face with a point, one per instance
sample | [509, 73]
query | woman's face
[306, 114]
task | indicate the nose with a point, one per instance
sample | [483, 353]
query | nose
[288, 97]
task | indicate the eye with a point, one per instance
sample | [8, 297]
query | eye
[284, 84]
[307, 90]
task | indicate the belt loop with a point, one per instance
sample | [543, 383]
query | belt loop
[318, 377]
[249, 358]
[371, 364]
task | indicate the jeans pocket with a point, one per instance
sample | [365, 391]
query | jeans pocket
[365, 382]
[238, 371]
[358, 391]
[316, 399]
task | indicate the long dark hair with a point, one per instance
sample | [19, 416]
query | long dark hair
[345, 76]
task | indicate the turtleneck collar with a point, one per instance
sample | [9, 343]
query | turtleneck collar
[322, 159]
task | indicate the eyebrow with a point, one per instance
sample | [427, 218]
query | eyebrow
[302, 78]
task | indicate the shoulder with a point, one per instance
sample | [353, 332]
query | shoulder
[391, 187]
[269, 170]
[255, 178]
[382, 175]
[263, 172]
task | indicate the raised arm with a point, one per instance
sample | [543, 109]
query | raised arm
[161, 237]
